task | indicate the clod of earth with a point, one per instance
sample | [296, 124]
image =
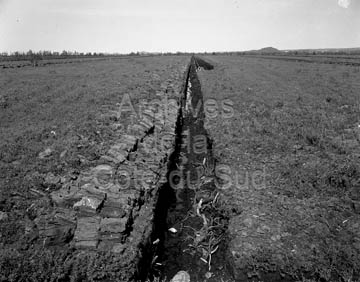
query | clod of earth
[3, 215]
[181, 276]
[46, 153]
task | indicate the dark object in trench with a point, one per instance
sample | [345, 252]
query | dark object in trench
[203, 64]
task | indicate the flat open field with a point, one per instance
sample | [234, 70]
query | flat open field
[347, 60]
[289, 166]
[266, 151]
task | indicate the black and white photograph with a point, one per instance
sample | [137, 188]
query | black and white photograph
[180, 141]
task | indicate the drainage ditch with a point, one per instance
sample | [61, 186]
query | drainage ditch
[190, 225]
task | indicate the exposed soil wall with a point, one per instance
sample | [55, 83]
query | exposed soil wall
[193, 237]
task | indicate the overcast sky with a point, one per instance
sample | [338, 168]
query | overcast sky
[177, 25]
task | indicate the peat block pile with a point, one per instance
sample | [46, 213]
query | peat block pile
[110, 207]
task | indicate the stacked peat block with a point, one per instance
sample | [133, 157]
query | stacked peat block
[110, 206]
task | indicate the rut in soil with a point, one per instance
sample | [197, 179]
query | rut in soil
[189, 202]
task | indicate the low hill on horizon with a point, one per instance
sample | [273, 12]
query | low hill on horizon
[266, 50]
[274, 51]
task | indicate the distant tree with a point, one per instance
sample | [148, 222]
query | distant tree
[47, 53]
[34, 58]
[30, 56]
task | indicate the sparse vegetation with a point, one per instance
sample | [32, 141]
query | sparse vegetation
[304, 132]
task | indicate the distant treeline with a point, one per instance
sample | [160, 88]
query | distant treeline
[34, 57]
[43, 55]
[46, 55]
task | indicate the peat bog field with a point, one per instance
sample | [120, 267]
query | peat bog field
[228, 168]
[289, 162]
